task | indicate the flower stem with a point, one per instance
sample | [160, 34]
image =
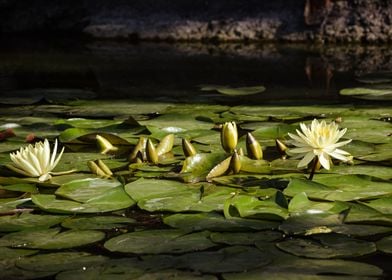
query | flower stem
[315, 163]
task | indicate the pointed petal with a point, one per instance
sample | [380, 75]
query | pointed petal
[324, 160]
[305, 161]
[53, 153]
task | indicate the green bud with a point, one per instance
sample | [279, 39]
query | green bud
[235, 163]
[151, 152]
[104, 167]
[188, 149]
[253, 147]
[229, 136]
[139, 148]
[105, 145]
[94, 168]
[165, 145]
[281, 148]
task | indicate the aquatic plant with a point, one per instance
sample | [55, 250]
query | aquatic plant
[36, 160]
[318, 140]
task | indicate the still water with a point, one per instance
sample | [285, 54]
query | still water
[164, 218]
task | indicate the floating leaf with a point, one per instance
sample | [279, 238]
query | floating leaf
[28, 221]
[385, 244]
[240, 91]
[111, 200]
[99, 222]
[159, 241]
[327, 246]
[230, 259]
[51, 238]
[215, 222]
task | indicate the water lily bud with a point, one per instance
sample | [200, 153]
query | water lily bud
[139, 148]
[235, 163]
[188, 149]
[253, 147]
[104, 168]
[282, 148]
[165, 145]
[240, 152]
[229, 136]
[94, 168]
[105, 145]
[151, 152]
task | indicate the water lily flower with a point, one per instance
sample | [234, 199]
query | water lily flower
[229, 136]
[36, 160]
[319, 140]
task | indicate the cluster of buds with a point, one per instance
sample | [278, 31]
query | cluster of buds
[229, 140]
[99, 168]
[146, 151]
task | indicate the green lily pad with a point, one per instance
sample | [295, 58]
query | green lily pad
[215, 222]
[327, 246]
[240, 91]
[340, 187]
[272, 208]
[29, 188]
[197, 167]
[165, 195]
[99, 222]
[310, 269]
[51, 238]
[230, 259]
[62, 261]
[383, 205]
[159, 241]
[10, 253]
[368, 93]
[9, 204]
[28, 221]
[363, 214]
[244, 238]
[86, 189]
[385, 244]
[114, 199]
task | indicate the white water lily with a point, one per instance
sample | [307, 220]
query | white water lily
[319, 140]
[36, 160]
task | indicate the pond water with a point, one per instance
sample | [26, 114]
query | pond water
[166, 211]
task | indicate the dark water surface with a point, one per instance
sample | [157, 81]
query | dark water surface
[37, 71]
[115, 70]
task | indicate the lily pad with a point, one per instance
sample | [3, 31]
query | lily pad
[28, 221]
[159, 241]
[252, 207]
[327, 246]
[230, 259]
[114, 199]
[244, 238]
[51, 238]
[165, 195]
[62, 261]
[99, 222]
[240, 91]
[385, 244]
[215, 222]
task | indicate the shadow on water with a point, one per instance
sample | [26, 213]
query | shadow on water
[175, 71]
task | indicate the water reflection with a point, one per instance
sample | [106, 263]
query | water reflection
[174, 71]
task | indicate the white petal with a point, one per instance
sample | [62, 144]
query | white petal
[52, 159]
[305, 161]
[324, 160]
[44, 177]
[301, 150]
[57, 160]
